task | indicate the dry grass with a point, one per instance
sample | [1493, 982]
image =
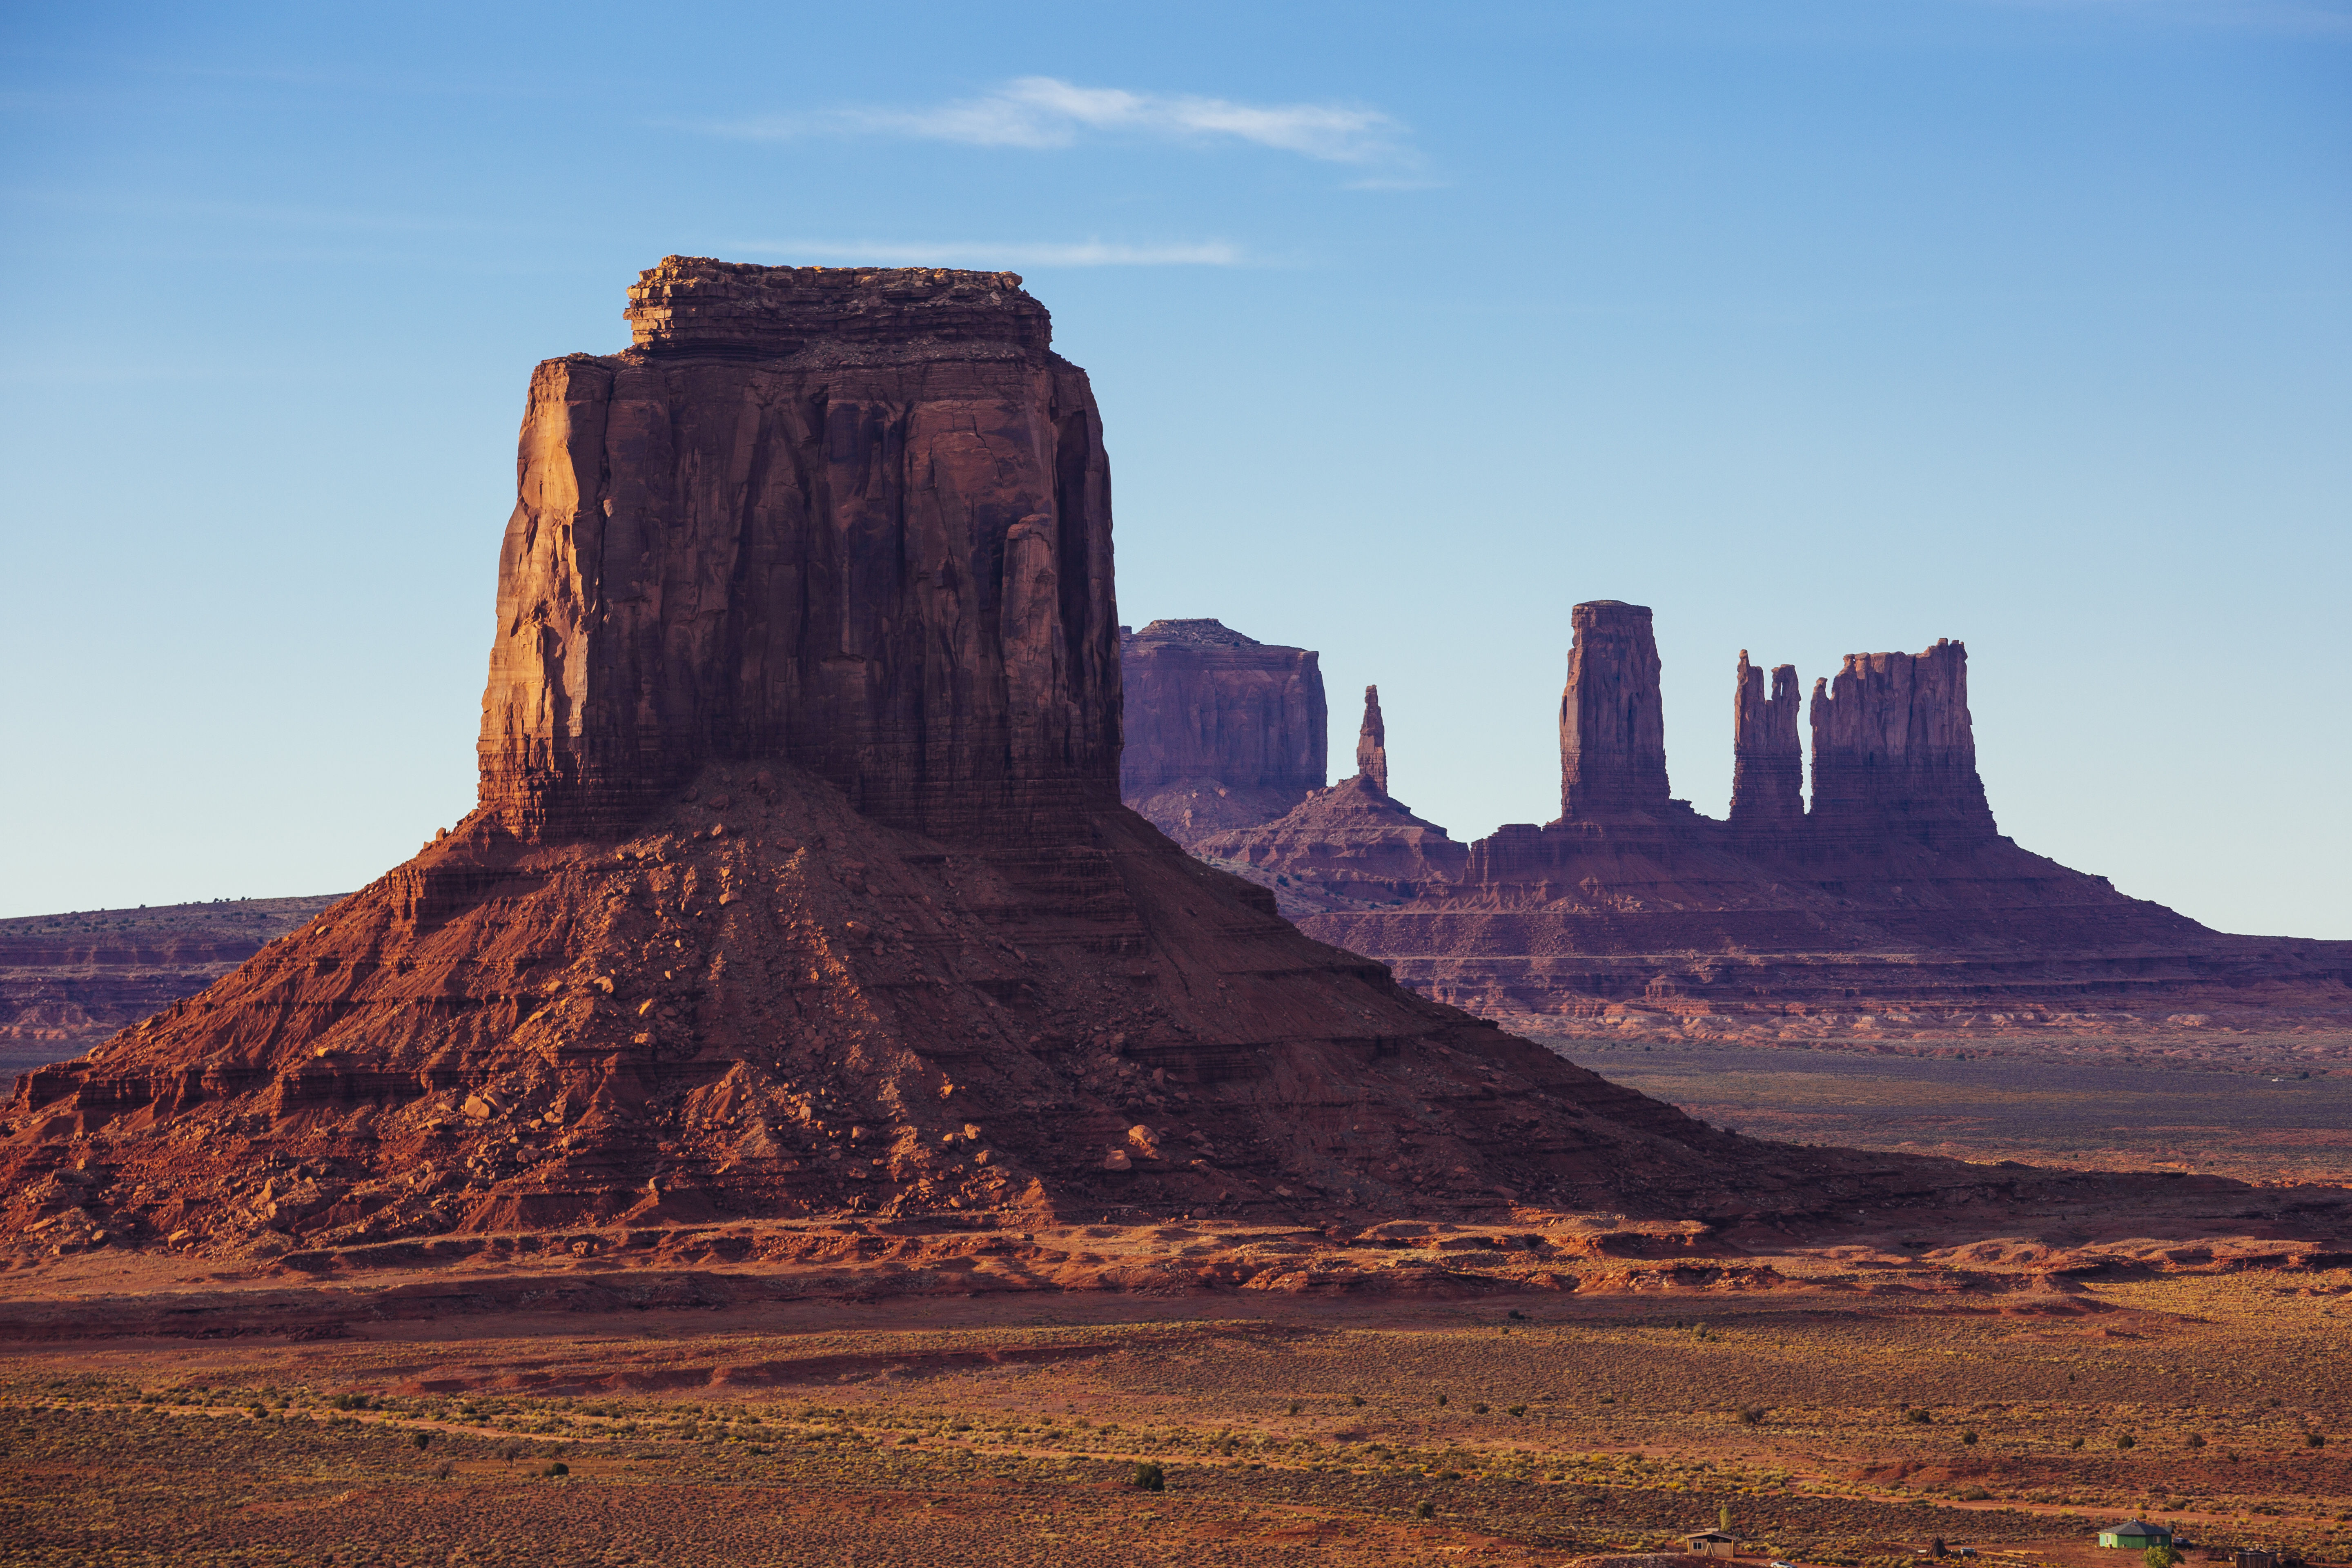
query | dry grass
[957, 1433]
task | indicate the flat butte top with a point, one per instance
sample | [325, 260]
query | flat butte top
[695, 304]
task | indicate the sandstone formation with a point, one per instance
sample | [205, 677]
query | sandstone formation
[1372, 743]
[1895, 753]
[1893, 893]
[858, 522]
[799, 883]
[1612, 725]
[1221, 731]
[1768, 766]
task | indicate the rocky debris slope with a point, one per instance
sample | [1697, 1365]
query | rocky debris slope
[1221, 731]
[68, 980]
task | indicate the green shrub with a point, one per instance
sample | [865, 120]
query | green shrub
[1147, 1478]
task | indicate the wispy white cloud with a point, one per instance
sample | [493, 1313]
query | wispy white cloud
[1044, 111]
[983, 254]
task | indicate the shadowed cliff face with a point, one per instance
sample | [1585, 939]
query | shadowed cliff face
[1613, 726]
[1221, 731]
[1895, 752]
[859, 523]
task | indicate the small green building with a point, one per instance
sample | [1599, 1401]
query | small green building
[2134, 1536]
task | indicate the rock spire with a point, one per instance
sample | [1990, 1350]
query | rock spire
[1767, 763]
[1372, 743]
[1612, 730]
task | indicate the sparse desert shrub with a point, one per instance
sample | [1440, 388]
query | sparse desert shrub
[1974, 1494]
[1293, 1407]
[1970, 1438]
[1357, 1400]
[2314, 1440]
[2125, 1440]
[1477, 1410]
[420, 1438]
[1424, 1509]
[557, 1469]
[1441, 1400]
[1147, 1478]
[1518, 1410]
[1752, 1415]
[1917, 1414]
[2075, 1444]
[444, 1470]
[511, 1452]
[2197, 1439]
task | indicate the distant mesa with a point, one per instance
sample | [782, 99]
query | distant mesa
[1895, 888]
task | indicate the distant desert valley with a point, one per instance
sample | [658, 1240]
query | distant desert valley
[900, 1065]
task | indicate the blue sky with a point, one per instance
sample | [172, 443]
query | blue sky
[1819, 328]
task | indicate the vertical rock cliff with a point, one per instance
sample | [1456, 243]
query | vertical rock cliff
[854, 520]
[1612, 728]
[1221, 731]
[1767, 763]
[1372, 743]
[1894, 753]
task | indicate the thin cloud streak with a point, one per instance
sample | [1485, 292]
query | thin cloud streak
[979, 254]
[1042, 112]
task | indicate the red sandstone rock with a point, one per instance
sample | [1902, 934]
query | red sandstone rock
[1221, 731]
[1894, 891]
[68, 980]
[1612, 728]
[1372, 743]
[1895, 752]
[854, 520]
[799, 883]
[1767, 763]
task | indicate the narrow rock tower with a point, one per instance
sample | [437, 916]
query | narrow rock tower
[1612, 727]
[1372, 743]
[1767, 764]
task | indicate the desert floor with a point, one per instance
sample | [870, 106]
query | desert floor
[1835, 1428]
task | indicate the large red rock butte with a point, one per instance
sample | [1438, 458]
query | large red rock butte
[1896, 892]
[799, 883]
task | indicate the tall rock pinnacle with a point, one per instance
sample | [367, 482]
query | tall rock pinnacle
[1372, 743]
[1612, 727]
[857, 519]
[1894, 751]
[1767, 764]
